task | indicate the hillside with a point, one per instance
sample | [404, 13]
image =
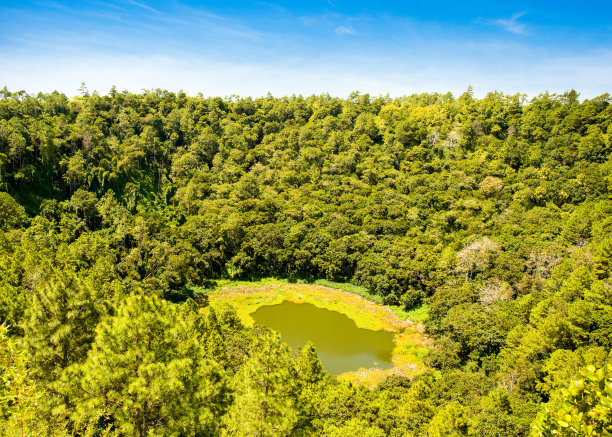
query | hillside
[493, 215]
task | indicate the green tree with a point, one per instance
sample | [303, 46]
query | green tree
[59, 324]
[149, 372]
[309, 366]
[586, 409]
[267, 401]
[353, 428]
[416, 407]
[602, 265]
[19, 393]
[12, 214]
[452, 420]
[76, 172]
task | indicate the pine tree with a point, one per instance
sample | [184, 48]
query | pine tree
[312, 376]
[19, 394]
[59, 324]
[268, 400]
[602, 267]
[452, 420]
[309, 366]
[150, 373]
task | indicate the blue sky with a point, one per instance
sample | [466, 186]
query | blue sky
[249, 48]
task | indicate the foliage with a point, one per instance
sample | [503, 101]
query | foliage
[150, 372]
[586, 408]
[19, 393]
[488, 220]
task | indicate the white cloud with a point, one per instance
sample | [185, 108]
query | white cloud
[345, 30]
[511, 24]
[337, 74]
[143, 6]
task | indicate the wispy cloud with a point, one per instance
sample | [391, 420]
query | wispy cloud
[126, 43]
[345, 30]
[317, 20]
[341, 24]
[337, 74]
[107, 5]
[143, 6]
[511, 24]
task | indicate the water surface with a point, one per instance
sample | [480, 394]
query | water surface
[341, 345]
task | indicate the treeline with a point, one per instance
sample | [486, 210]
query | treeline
[494, 212]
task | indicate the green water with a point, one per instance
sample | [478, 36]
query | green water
[341, 345]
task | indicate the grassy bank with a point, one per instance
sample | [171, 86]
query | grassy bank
[354, 302]
[417, 315]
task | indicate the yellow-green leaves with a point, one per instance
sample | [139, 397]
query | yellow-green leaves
[586, 409]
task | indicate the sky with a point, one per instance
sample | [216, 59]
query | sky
[251, 48]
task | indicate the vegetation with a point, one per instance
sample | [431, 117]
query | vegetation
[117, 212]
[410, 343]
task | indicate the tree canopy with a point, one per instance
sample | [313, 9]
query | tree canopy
[117, 212]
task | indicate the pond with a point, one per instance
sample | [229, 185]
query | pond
[341, 345]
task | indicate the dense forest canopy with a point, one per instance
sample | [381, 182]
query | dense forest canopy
[116, 211]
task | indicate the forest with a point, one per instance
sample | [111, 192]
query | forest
[119, 212]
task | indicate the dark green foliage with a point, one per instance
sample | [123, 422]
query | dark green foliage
[268, 388]
[12, 214]
[151, 371]
[59, 324]
[494, 212]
